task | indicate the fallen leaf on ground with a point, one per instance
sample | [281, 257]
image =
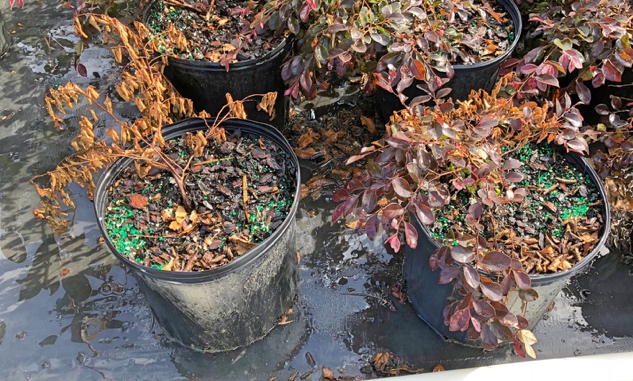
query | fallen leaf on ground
[305, 153]
[369, 123]
[307, 138]
[326, 373]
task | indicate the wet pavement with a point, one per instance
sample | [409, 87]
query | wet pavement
[69, 311]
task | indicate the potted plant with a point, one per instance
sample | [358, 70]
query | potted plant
[479, 189]
[207, 56]
[408, 48]
[201, 211]
[577, 48]
[613, 160]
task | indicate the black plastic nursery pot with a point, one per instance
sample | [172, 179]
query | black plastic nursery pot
[236, 304]
[429, 297]
[207, 83]
[481, 75]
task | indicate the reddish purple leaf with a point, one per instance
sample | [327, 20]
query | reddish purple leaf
[371, 227]
[350, 204]
[511, 163]
[394, 242]
[611, 73]
[340, 195]
[442, 93]
[509, 320]
[476, 324]
[500, 331]
[513, 177]
[522, 279]
[392, 210]
[81, 70]
[602, 109]
[306, 81]
[411, 235]
[506, 284]
[488, 340]
[522, 322]
[472, 277]
[483, 309]
[304, 13]
[491, 289]
[401, 187]
[529, 295]
[598, 80]
[533, 54]
[448, 274]
[485, 126]
[338, 212]
[500, 309]
[528, 69]
[583, 93]
[459, 321]
[433, 263]
[446, 312]
[495, 261]
[577, 145]
[462, 254]
[547, 79]
[616, 102]
[369, 200]
[518, 348]
[475, 210]
[424, 214]
[568, 133]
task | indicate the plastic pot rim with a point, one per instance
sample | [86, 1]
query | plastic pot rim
[189, 125]
[543, 279]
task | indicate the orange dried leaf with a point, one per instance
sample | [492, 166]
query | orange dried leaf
[175, 225]
[307, 138]
[327, 374]
[306, 153]
[369, 123]
[64, 272]
[137, 201]
[438, 368]
[181, 214]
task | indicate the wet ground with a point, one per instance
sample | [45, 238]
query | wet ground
[69, 311]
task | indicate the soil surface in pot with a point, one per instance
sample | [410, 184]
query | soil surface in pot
[147, 222]
[475, 33]
[212, 29]
[557, 224]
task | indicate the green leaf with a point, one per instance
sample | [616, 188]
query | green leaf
[293, 25]
[379, 38]
[79, 47]
[563, 45]
[321, 54]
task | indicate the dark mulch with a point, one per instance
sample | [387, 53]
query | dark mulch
[211, 36]
[556, 225]
[477, 34]
[147, 222]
